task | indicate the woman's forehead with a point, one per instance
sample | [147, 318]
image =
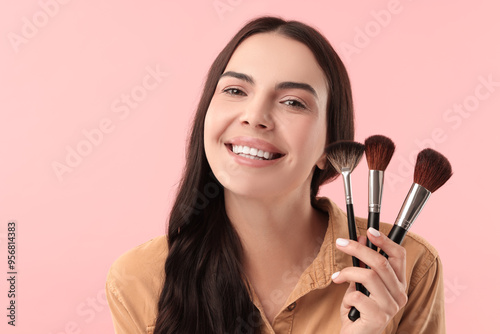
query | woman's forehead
[272, 56]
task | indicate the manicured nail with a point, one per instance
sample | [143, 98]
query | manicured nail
[374, 232]
[335, 275]
[342, 242]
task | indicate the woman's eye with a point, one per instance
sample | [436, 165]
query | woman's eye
[233, 91]
[292, 103]
[295, 104]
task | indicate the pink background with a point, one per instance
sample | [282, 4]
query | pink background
[63, 73]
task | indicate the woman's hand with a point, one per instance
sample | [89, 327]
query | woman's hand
[386, 281]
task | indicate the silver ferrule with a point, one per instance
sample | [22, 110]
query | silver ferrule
[414, 203]
[375, 185]
[346, 174]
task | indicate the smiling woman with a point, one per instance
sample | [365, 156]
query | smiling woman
[281, 101]
[274, 98]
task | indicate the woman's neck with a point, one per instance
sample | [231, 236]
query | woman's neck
[280, 238]
[287, 225]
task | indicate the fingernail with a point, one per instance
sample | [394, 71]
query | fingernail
[342, 242]
[335, 275]
[374, 232]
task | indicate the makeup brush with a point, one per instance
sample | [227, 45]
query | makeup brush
[379, 150]
[432, 170]
[344, 156]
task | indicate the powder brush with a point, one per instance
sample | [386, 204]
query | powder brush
[432, 170]
[378, 150]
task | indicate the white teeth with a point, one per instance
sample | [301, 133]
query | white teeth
[251, 156]
[251, 152]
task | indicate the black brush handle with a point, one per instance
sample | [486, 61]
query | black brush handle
[373, 221]
[397, 234]
[351, 223]
[352, 231]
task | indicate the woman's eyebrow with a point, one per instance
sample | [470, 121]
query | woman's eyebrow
[281, 85]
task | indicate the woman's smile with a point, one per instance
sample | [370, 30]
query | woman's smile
[252, 158]
[268, 110]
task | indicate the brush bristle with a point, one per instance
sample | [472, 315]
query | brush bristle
[432, 170]
[379, 150]
[344, 154]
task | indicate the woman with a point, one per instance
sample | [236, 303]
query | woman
[250, 248]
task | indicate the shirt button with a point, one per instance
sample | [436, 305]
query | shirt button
[292, 306]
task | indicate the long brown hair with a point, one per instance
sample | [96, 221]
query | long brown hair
[206, 290]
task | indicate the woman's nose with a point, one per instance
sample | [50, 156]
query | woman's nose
[258, 113]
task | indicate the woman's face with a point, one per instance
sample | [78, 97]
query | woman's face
[271, 98]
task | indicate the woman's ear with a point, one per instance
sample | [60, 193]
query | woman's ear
[321, 163]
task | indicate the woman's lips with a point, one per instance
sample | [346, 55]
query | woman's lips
[254, 142]
[274, 155]
[249, 161]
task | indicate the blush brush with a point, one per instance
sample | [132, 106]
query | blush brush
[344, 156]
[432, 170]
[379, 150]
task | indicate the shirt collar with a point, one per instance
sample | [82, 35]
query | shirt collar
[328, 260]
[337, 228]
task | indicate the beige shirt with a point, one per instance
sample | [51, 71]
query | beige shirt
[135, 281]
